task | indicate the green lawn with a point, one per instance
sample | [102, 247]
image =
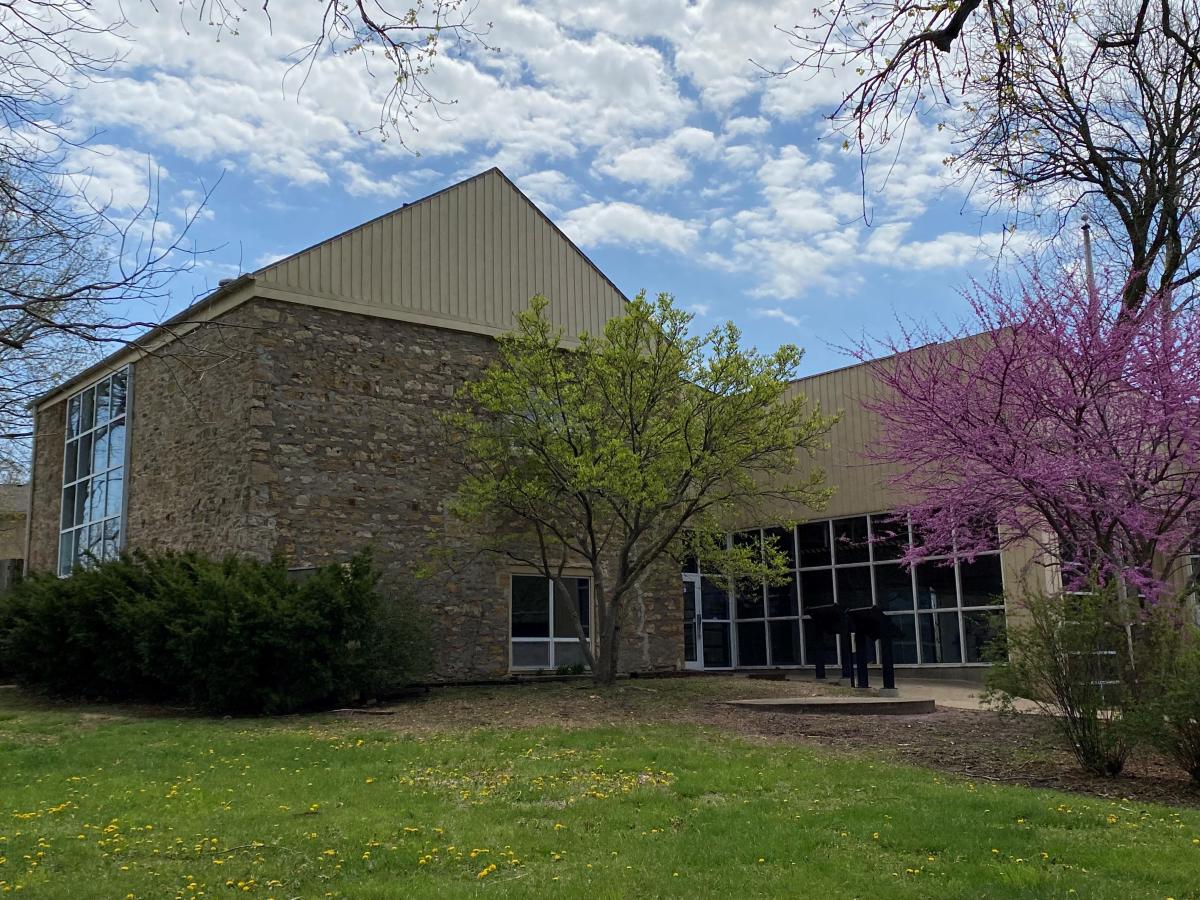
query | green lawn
[115, 806]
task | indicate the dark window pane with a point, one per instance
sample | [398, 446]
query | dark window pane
[530, 606]
[979, 628]
[751, 539]
[817, 645]
[714, 599]
[85, 457]
[73, 417]
[80, 546]
[690, 564]
[904, 647]
[781, 600]
[752, 644]
[116, 484]
[938, 634]
[784, 541]
[66, 552]
[893, 586]
[71, 462]
[116, 444]
[812, 541]
[935, 586]
[568, 653]
[748, 599]
[889, 537]
[982, 584]
[785, 643]
[854, 586]
[535, 654]
[715, 637]
[81, 504]
[102, 402]
[850, 541]
[118, 393]
[816, 588]
[564, 625]
[68, 508]
[87, 416]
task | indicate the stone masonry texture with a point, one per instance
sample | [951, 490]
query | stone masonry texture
[315, 433]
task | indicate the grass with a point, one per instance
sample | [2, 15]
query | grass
[102, 804]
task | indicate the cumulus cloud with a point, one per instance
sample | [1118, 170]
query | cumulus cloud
[629, 225]
[664, 162]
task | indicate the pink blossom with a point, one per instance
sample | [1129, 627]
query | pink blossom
[1055, 415]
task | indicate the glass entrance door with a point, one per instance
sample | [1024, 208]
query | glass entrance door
[716, 640]
[707, 630]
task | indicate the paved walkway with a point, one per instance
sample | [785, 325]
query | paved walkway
[952, 694]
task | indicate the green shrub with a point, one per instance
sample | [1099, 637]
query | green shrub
[1169, 716]
[1073, 655]
[235, 635]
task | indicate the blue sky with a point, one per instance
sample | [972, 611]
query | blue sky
[642, 128]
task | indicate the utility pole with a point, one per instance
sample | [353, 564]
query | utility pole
[1087, 256]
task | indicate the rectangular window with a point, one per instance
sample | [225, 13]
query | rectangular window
[945, 609]
[91, 528]
[542, 628]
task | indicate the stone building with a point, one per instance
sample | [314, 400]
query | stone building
[295, 410]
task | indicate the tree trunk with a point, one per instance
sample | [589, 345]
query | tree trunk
[607, 653]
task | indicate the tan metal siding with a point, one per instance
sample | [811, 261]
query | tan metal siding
[472, 255]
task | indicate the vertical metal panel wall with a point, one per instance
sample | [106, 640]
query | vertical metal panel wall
[471, 255]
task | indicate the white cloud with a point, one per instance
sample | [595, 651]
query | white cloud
[775, 312]
[750, 125]
[663, 162]
[629, 225]
[954, 249]
[547, 188]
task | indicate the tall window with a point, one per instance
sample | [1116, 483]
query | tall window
[94, 473]
[945, 608]
[543, 631]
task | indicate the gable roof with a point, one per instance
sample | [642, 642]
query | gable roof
[467, 257]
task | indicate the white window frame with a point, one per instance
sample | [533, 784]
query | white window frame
[551, 639]
[112, 465]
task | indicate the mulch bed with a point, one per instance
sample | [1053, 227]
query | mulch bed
[1017, 749]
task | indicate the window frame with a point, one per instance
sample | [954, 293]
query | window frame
[64, 484]
[832, 567]
[551, 640]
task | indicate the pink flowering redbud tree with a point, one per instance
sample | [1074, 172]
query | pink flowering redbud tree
[1058, 415]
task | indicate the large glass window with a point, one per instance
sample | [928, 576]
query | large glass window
[542, 628]
[91, 526]
[945, 609]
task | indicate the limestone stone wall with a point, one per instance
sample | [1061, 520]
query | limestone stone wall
[347, 450]
[314, 433]
[193, 406]
[45, 486]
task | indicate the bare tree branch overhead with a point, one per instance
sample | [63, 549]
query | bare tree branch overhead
[403, 43]
[1053, 107]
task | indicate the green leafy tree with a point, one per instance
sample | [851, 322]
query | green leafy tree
[631, 448]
